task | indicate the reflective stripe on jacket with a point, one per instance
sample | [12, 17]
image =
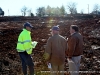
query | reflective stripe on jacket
[24, 42]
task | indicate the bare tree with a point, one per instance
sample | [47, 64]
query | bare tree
[1, 12]
[72, 7]
[96, 9]
[56, 11]
[49, 10]
[24, 10]
[41, 11]
[82, 11]
[62, 10]
[30, 12]
[32, 15]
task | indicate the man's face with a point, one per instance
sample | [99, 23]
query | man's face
[28, 28]
[71, 30]
[54, 32]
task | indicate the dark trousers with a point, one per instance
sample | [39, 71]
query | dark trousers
[26, 61]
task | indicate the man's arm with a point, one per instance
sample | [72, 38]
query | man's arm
[27, 44]
[48, 46]
[48, 50]
[71, 47]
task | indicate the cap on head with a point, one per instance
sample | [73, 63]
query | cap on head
[27, 24]
[55, 28]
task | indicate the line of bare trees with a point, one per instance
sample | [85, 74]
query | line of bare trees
[70, 8]
[61, 11]
[25, 9]
[58, 11]
[51, 11]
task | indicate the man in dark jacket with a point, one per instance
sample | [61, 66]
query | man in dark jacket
[74, 50]
[56, 46]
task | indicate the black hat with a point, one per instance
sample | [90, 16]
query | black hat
[55, 28]
[27, 24]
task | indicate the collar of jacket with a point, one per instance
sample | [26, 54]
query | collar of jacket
[73, 33]
[26, 30]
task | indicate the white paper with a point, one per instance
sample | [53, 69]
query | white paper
[34, 43]
[49, 65]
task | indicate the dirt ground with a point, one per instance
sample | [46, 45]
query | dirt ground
[10, 63]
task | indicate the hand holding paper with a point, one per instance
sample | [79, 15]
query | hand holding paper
[34, 43]
[49, 65]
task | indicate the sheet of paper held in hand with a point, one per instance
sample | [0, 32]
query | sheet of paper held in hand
[34, 43]
[49, 65]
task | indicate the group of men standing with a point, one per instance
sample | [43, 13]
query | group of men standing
[57, 48]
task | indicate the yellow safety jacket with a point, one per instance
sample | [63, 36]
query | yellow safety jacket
[24, 42]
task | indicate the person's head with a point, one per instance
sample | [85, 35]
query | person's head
[73, 29]
[28, 26]
[55, 30]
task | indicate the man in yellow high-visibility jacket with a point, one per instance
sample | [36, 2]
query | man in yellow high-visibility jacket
[24, 48]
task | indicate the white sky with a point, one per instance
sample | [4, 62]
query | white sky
[14, 6]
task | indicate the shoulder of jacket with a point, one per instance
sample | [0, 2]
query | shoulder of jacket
[62, 37]
[76, 36]
[23, 33]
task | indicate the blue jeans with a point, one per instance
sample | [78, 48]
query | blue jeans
[26, 61]
[74, 65]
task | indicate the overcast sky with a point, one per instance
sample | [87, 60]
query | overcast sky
[13, 7]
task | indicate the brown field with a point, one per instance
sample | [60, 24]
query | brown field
[10, 63]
